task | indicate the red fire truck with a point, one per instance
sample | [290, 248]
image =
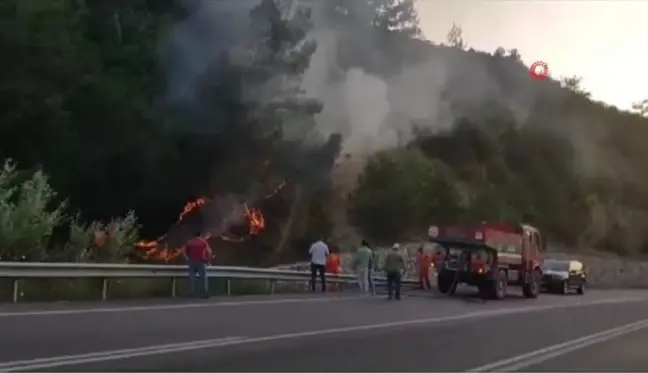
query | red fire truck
[490, 256]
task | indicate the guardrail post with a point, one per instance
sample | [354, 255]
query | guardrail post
[272, 286]
[228, 286]
[15, 290]
[173, 287]
[104, 289]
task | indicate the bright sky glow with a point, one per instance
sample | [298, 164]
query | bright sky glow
[605, 42]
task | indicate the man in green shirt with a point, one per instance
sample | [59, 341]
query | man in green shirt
[361, 261]
[394, 267]
[370, 270]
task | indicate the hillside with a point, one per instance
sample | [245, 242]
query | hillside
[273, 125]
[503, 146]
[478, 139]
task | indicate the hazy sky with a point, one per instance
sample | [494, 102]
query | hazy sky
[605, 42]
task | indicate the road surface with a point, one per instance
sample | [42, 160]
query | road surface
[601, 331]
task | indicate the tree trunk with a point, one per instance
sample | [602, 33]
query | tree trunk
[288, 226]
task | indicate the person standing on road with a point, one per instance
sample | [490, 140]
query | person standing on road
[319, 252]
[423, 262]
[361, 262]
[394, 267]
[198, 253]
[370, 269]
[334, 267]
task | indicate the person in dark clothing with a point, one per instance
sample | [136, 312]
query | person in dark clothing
[198, 253]
[318, 270]
[394, 267]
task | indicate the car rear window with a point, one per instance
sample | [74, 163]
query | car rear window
[555, 266]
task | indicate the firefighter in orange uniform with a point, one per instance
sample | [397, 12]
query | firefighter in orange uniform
[424, 262]
[334, 266]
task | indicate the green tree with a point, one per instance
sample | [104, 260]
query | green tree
[85, 75]
[30, 218]
[573, 83]
[514, 54]
[499, 52]
[640, 107]
[27, 219]
[455, 37]
[401, 192]
[392, 16]
[398, 16]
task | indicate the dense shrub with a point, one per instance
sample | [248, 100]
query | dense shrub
[34, 224]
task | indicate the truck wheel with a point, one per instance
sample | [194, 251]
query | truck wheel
[499, 285]
[581, 290]
[485, 290]
[532, 288]
[446, 283]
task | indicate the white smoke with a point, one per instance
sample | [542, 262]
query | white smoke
[415, 82]
[383, 87]
[380, 110]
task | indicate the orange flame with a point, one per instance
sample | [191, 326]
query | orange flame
[156, 250]
[255, 219]
[191, 207]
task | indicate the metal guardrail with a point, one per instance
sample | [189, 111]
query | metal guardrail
[104, 271]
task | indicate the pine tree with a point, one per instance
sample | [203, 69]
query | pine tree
[640, 107]
[282, 55]
[395, 16]
[455, 37]
[573, 83]
[398, 16]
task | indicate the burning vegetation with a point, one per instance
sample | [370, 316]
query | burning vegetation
[160, 250]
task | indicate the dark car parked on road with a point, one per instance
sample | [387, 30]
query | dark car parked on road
[561, 276]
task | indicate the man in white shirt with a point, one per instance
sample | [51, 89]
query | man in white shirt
[319, 252]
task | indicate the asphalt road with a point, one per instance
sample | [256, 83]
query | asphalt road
[626, 354]
[331, 332]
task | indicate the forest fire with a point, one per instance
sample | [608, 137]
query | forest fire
[191, 207]
[159, 251]
[255, 219]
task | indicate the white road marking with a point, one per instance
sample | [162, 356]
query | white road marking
[110, 355]
[67, 360]
[174, 306]
[532, 358]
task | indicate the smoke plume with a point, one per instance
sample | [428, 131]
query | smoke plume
[372, 90]
[433, 89]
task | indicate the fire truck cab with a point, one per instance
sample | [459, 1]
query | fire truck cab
[490, 256]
